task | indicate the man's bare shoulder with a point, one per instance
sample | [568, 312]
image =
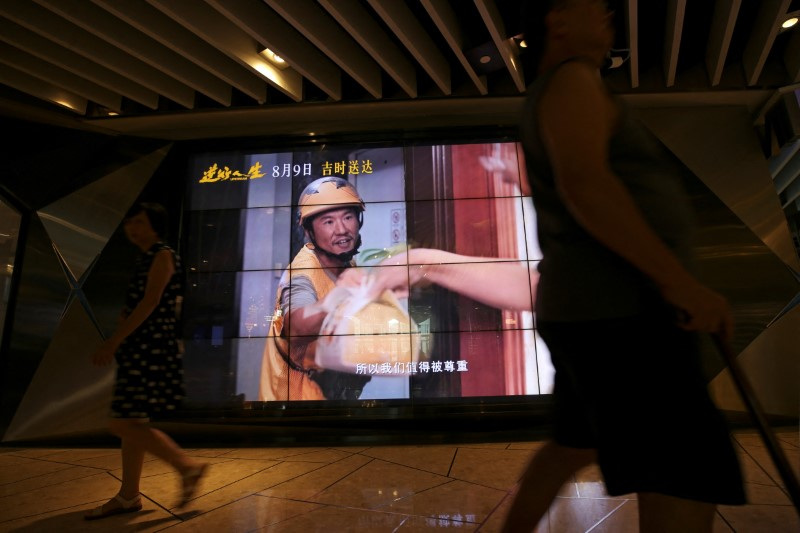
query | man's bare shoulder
[575, 93]
[574, 78]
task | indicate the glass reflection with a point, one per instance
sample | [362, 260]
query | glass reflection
[9, 231]
[81, 223]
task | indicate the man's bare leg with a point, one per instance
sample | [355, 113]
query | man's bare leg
[548, 470]
[659, 513]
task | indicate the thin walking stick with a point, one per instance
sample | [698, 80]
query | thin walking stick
[752, 404]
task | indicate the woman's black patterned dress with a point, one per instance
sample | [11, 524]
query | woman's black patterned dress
[150, 367]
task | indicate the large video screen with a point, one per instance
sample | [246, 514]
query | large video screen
[282, 250]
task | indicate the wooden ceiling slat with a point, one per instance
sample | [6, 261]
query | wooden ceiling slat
[42, 90]
[676, 12]
[272, 31]
[211, 26]
[174, 36]
[316, 24]
[59, 77]
[359, 23]
[40, 20]
[408, 29]
[632, 29]
[106, 26]
[719, 37]
[205, 53]
[446, 20]
[770, 15]
[494, 23]
[49, 51]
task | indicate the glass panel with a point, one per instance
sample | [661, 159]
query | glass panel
[9, 232]
[81, 223]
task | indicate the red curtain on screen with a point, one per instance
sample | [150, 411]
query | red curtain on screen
[488, 229]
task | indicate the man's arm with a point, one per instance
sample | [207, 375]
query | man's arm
[504, 284]
[303, 311]
[305, 321]
[500, 283]
[577, 119]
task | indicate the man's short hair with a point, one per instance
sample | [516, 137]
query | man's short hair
[533, 14]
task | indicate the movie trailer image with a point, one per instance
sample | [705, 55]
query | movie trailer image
[282, 250]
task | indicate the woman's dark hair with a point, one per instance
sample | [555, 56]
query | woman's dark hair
[155, 213]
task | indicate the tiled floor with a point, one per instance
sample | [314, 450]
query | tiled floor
[373, 489]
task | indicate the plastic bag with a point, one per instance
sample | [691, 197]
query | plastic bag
[362, 335]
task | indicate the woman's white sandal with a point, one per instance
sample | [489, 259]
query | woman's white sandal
[125, 506]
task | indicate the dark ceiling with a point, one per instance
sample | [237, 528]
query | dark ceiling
[153, 58]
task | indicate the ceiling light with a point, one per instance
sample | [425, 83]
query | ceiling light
[65, 104]
[485, 59]
[788, 23]
[274, 58]
[523, 44]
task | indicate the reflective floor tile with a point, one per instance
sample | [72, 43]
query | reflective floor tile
[436, 459]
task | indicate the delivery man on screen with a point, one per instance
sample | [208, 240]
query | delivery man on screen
[331, 215]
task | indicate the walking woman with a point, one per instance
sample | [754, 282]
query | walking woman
[147, 350]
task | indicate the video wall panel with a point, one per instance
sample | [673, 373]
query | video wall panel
[250, 297]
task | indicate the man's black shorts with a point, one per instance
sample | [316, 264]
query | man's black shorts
[633, 389]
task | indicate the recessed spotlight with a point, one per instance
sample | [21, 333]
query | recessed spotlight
[519, 40]
[485, 59]
[274, 58]
[788, 23]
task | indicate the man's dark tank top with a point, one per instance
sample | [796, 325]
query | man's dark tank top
[580, 279]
